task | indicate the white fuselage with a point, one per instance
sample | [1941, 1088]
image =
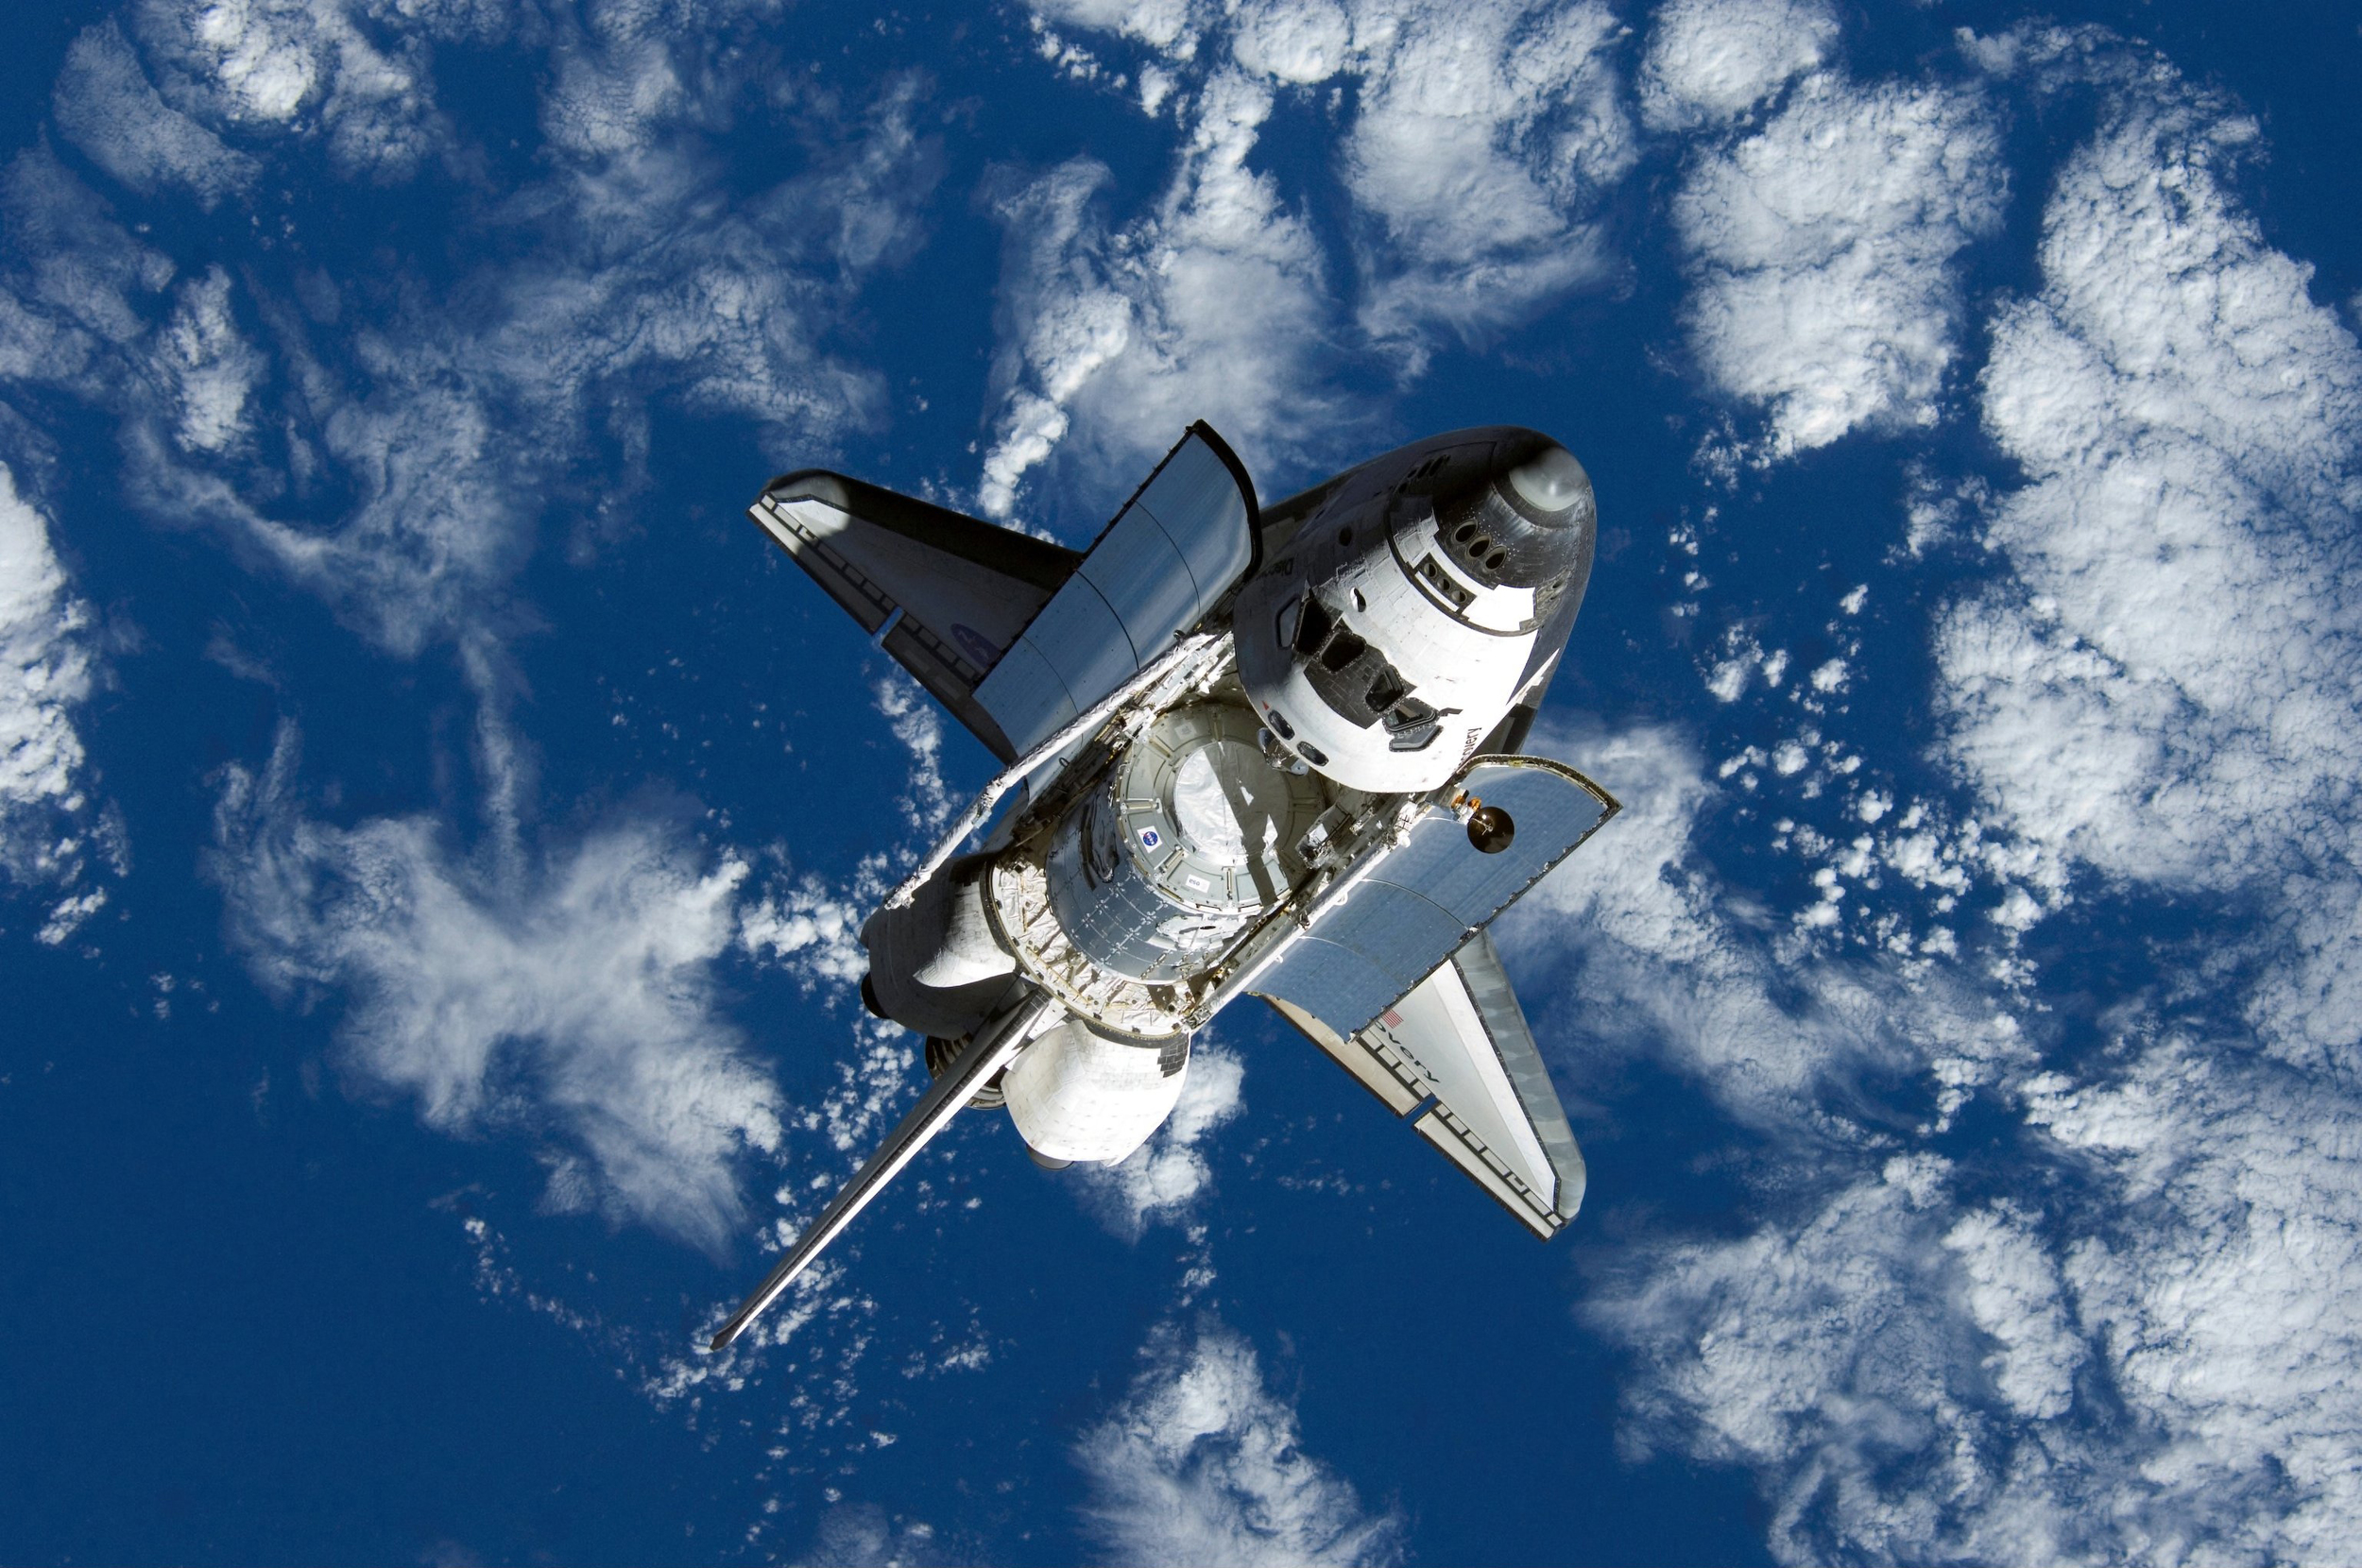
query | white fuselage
[1417, 600]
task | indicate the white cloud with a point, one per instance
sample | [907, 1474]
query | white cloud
[1164, 25]
[1816, 1353]
[106, 106]
[2220, 1279]
[2157, 1370]
[2162, 689]
[1213, 307]
[455, 430]
[47, 818]
[2013, 1295]
[1488, 136]
[44, 640]
[2189, 421]
[856, 1536]
[1822, 253]
[1163, 1178]
[1710, 61]
[1203, 1464]
[917, 723]
[807, 926]
[1649, 936]
[1303, 42]
[78, 290]
[2135, 1346]
[612, 98]
[353, 75]
[575, 1004]
[213, 365]
[1485, 139]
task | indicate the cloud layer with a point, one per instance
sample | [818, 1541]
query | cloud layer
[49, 824]
[1823, 251]
[1710, 61]
[2105, 1326]
[575, 1004]
[1202, 1464]
[1484, 141]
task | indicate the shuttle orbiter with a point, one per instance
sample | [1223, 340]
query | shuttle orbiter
[1245, 751]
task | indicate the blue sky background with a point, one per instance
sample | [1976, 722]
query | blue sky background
[432, 823]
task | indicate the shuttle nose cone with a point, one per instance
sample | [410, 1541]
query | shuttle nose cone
[1551, 482]
[1527, 522]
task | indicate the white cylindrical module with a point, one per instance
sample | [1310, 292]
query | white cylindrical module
[1192, 835]
[1076, 1095]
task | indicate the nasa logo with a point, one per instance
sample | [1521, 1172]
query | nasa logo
[1150, 838]
[975, 645]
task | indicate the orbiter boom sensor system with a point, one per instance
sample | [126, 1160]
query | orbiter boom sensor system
[1244, 752]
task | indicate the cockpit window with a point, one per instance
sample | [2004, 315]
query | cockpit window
[1357, 680]
[1343, 650]
[1313, 624]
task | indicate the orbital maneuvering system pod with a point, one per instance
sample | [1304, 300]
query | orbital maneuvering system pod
[1245, 751]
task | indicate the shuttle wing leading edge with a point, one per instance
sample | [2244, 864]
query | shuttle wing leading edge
[950, 592]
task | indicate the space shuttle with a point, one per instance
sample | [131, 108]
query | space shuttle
[1245, 751]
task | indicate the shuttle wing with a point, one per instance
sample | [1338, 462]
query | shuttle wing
[1407, 907]
[1396, 981]
[1457, 1046]
[1177, 547]
[951, 592]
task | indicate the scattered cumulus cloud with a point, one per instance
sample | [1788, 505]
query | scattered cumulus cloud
[1710, 61]
[1487, 137]
[441, 437]
[1213, 306]
[106, 106]
[1772, 1029]
[917, 724]
[1163, 1179]
[1835, 1354]
[2165, 686]
[1203, 1463]
[2133, 1346]
[1167, 25]
[1484, 141]
[574, 1003]
[44, 632]
[860, 1535]
[1299, 41]
[1823, 254]
[352, 74]
[49, 822]
[2152, 1368]
[809, 928]
[2215, 1275]
[213, 368]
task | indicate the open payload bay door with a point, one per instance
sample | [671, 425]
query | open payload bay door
[951, 592]
[1396, 981]
[1179, 546]
[1458, 1045]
